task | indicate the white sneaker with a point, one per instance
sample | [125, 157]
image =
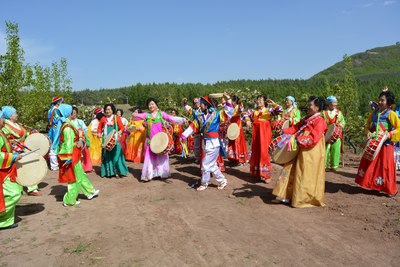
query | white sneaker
[76, 203]
[202, 187]
[96, 193]
[222, 185]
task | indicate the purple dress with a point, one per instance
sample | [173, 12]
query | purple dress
[155, 165]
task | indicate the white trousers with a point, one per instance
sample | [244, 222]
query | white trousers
[53, 160]
[397, 156]
[209, 165]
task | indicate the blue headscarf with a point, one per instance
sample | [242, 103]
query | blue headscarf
[8, 111]
[291, 98]
[63, 111]
[1, 114]
[331, 99]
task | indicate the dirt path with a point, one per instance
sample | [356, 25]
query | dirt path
[166, 223]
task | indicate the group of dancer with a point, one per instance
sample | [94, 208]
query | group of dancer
[110, 140]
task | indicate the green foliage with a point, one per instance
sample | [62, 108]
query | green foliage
[30, 88]
[11, 68]
[373, 63]
[355, 81]
[85, 113]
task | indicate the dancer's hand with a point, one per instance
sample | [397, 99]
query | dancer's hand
[271, 102]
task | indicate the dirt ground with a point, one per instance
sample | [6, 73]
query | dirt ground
[167, 223]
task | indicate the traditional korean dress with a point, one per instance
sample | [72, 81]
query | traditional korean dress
[237, 150]
[113, 162]
[86, 160]
[135, 148]
[380, 174]
[73, 174]
[333, 151]
[10, 191]
[95, 142]
[124, 135]
[208, 125]
[260, 162]
[156, 165]
[17, 134]
[177, 131]
[303, 180]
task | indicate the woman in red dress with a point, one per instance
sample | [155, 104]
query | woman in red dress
[380, 173]
[237, 150]
[260, 120]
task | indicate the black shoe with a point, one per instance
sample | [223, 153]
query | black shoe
[15, 225]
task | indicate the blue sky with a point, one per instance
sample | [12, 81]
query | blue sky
[111, 44]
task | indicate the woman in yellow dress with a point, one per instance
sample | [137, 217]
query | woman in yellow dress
[302, 181]
[95, 141]
[134, 150]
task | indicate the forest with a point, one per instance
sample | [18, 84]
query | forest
[355, 80]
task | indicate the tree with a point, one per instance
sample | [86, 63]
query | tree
[66, 80]
[11, 68]
[347, 94]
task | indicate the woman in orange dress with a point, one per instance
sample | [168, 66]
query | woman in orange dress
[177, 131]
[134, 150]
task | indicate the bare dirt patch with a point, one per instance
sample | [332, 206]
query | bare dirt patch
[167, 223]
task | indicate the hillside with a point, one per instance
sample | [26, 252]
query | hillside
[379, 62]
[373, 69]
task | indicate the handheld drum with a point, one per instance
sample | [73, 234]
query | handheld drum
[281, 155]
[31, 169]
[281, 124]
[374, 146]
[216, 95]
[161, 143]
[333, 133]
[110, 141]
[233, 131]
[38, 141]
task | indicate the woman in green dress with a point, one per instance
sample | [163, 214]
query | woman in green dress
[113, 161]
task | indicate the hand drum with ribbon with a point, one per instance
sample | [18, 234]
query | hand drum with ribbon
[283, 149]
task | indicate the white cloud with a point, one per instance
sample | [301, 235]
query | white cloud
[390, 2]
[368, 5]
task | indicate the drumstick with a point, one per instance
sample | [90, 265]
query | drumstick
[30, 152]
[22, 145]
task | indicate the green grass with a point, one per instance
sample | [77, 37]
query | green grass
[81, 247]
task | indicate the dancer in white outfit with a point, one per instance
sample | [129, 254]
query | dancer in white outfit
[207, 123]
